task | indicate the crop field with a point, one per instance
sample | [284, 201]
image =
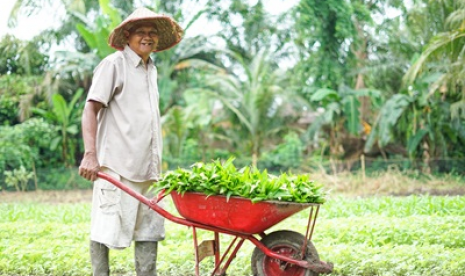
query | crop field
[376, 235]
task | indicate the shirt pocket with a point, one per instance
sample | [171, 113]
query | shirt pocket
[109, 195]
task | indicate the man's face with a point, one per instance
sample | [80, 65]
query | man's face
[142, 39]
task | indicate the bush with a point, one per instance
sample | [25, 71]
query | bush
[12, 89]
[26, 145]
[61, 179]
[285, 156]
[18, 178]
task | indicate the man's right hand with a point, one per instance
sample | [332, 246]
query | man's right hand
[89, 166]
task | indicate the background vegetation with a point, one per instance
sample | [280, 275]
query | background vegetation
[366, 95]
[325, 85]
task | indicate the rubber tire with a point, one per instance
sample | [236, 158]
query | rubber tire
[288, 240]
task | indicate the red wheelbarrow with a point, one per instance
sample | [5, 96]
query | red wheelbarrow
[280, 253]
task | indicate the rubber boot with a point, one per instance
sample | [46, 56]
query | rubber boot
[145, 258]
[99, 259]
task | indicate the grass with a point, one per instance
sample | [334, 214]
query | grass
[364, 231]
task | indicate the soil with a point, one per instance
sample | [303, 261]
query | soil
[456, 191]
[53, 197]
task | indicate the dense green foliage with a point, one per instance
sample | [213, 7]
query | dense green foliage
[395, 236]
[14, 89]
[217, 178]
[325, 80]
[26, 145]
[21, 57]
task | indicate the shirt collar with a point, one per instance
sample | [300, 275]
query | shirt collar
[135, 59]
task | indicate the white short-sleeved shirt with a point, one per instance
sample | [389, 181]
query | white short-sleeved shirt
[129, 137]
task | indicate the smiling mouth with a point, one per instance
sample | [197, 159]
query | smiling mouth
[147, 43]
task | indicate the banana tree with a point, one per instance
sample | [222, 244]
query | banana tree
[95, 32]
[340, 115]
[70, 10]
[75, 68]
[387, 121]
[430, 117]
[67, 117]
[195, 121]
[419, 122]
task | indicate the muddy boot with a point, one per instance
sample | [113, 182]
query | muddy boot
[99, 259]
[145, 257]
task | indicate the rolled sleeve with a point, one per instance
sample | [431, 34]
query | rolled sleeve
[105, 82]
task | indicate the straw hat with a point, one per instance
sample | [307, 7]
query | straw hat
[169, 32]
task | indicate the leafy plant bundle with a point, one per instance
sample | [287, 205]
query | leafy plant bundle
[216, 178]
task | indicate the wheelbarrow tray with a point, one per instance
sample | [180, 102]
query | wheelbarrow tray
[236, 214]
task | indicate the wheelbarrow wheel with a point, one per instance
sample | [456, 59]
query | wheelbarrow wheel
[286, 243]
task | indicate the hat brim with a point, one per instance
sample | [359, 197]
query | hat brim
[169, 32]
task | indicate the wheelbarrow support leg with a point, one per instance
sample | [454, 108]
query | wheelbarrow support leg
[196, 251]
[310, 228]
[222, 271]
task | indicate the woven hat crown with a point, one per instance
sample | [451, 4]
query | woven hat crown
[169, 31]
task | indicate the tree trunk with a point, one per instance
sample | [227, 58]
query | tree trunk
[254, 159]
[361, 53]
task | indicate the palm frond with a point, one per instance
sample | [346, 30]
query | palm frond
[437, 48]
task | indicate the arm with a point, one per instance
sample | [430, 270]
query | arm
[89, 165]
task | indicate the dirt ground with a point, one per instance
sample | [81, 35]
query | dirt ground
[54, 197]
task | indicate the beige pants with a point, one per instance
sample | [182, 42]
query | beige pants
[118, 218]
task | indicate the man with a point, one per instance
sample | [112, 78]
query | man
[122, 137]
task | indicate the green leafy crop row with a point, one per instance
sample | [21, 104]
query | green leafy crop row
[216, 178]
[366, 240]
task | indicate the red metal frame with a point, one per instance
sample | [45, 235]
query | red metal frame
[219, 259]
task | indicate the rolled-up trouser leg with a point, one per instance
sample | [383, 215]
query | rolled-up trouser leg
[99, 259]
[145, 257]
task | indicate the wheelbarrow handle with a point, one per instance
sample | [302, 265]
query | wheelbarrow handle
[138, 196]
[152, 204]
[125, 188]
[160, 196]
